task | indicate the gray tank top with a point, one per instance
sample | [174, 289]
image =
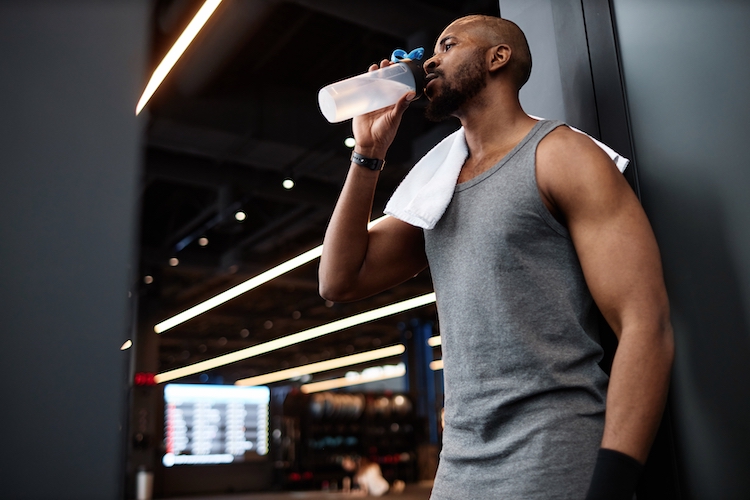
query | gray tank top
[524, 395]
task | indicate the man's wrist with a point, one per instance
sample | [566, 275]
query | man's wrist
[615, 476]
[370, 152]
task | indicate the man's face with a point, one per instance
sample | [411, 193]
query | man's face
[456, 73]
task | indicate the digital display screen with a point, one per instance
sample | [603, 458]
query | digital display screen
[214, 424]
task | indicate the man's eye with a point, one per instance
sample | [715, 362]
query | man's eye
[448, 46]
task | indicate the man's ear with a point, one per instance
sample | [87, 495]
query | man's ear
[499, 57]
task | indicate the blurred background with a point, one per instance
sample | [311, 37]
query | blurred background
[216, 195]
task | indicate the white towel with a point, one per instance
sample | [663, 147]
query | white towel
[426, 191]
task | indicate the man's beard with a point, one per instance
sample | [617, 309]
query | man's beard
[470, 81]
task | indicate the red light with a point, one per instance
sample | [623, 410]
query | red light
[307, 475]
[294, 476]
[144, 378]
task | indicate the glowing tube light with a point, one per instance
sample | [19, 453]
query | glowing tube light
[174, 54]
[435, 341]
[336, 383]
[322, 366]
[233, 292]
[436, 365]
[246, 286]
[296, 338]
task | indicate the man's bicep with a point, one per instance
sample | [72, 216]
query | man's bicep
[611, 233]
[618, 254]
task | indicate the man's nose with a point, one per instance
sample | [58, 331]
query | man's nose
[430, 64]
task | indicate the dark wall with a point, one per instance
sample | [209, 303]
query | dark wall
[71, 75]
[686, 71]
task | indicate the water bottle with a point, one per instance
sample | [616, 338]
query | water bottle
[375, 89]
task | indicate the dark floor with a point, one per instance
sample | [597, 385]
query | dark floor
[411, 492]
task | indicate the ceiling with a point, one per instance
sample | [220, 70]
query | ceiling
[237, 116]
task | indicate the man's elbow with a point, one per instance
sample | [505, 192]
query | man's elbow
[335, 291]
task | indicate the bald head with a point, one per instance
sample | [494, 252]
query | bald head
[496, 31]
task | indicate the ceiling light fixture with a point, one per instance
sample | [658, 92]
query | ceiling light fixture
[126, 345]
[435, 341]
[288, 183]
[240, 215]
[355, 379]
[436, 365]
[296, 338]
[174, 54]
[246, 286]
[349, 142]
[330, 364]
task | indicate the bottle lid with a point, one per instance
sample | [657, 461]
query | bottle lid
[412, 60]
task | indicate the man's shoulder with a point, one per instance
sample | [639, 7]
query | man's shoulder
[563, 142]
[570, 165]
[564, 151]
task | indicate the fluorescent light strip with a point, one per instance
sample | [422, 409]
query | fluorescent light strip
[436, 365]
[323, 366]
[246, 286]
[296, 338]
[174, 54]
[435, 341]
[349, 381]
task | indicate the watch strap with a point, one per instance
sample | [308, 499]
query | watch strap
[371, 163]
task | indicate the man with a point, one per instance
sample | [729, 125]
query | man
[541, 228]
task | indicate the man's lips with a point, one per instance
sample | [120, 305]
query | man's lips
[428, 79]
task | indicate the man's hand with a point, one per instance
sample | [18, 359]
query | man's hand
[374, 132]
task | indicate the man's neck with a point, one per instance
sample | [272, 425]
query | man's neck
[493, 127]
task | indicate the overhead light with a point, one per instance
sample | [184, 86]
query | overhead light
[174, 261]
[174, 54]
[240, 215]
[203, 241]
[434, 341]
[288, 183]
[349, 142]
[330, 364]
[246, 286]
[126, 345]
[296, 338]
[355, 379]
[148, 279]
[436, 365]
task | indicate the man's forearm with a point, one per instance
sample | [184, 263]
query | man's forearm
[346, 239]
[637, 391]
[635, 402]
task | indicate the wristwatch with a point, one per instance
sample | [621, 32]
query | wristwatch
[371, 163]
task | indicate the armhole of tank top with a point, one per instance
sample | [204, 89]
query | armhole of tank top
[541, 208]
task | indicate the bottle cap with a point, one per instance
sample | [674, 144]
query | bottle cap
[412, 60]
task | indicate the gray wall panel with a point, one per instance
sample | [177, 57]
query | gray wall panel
[542, 95]
[70, 159]
[560, 86]
[686, 73]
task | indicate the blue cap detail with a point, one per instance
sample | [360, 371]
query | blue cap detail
[400, 54]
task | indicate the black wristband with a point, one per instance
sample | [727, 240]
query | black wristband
[371, 163]
[615, 476]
